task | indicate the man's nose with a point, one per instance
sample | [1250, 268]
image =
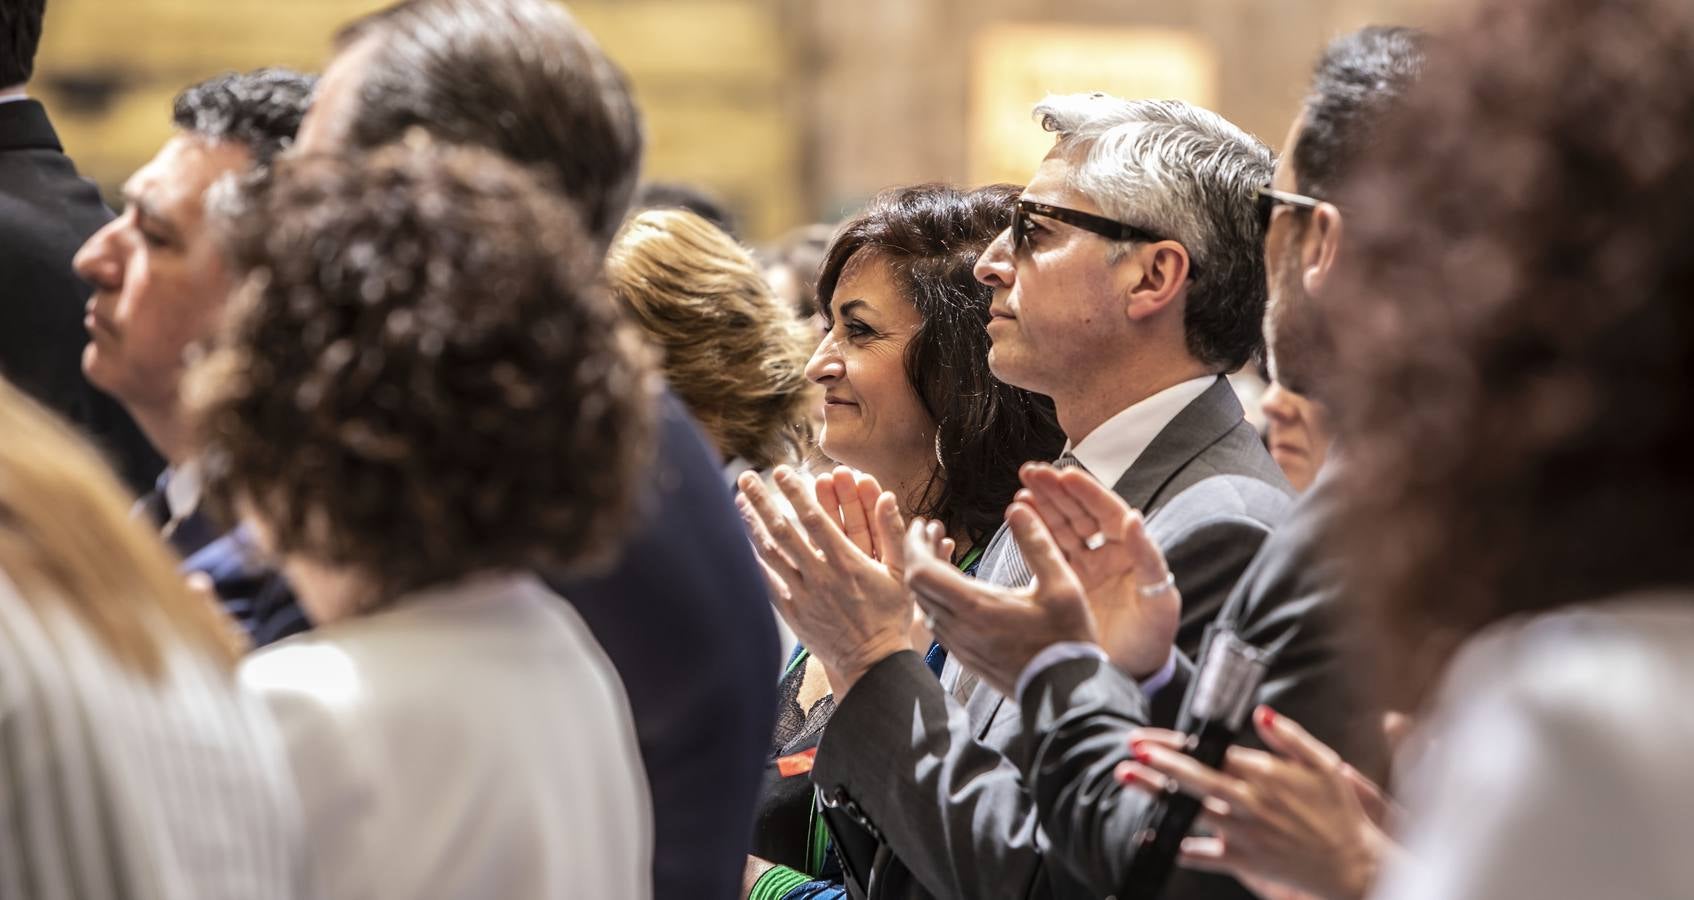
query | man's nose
[96, 262]
[995, 267]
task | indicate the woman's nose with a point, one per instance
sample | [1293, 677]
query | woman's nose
[825, 365]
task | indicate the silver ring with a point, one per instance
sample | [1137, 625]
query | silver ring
[1164, 584]
[1095, 541]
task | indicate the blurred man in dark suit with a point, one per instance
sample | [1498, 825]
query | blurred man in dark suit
[46, 212]
[684, 613]
[160, 287]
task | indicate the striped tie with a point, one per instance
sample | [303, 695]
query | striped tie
[1012, 570]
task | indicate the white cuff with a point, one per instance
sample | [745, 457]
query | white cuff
[1155, 682]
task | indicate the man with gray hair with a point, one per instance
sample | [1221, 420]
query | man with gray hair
[1130, 282]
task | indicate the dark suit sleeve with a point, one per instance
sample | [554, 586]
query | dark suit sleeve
[899, 755]
[1208, 561]
[958, 813]
[1291, 601]
[1078, 716]
[1078, 713]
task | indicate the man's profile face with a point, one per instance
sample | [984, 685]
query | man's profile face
[1058, 300]
[159, 278]
[325, 127]
[1286, 290]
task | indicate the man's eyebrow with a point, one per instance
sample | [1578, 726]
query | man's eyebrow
[146, 211]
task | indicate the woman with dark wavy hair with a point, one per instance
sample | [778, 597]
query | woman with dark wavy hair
[1517, 416]
[910, 404]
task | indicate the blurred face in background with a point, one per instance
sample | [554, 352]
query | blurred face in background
[1295, 424]
[1297, 434]
[872, 417]
[1286, 294]
[158, 275]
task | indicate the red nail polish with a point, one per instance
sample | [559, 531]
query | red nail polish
[1267, 717]
[1139, 748]
[1126, 775]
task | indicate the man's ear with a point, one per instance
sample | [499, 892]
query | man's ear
[1163, 274]
[1320, 247]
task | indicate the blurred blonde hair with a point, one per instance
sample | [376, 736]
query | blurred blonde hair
[67, 539]
[732, 351]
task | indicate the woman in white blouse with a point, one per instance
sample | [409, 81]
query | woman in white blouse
[414, 422]
[131, 765]
[1517, 419]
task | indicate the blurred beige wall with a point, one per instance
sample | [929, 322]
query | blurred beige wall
[791, 110]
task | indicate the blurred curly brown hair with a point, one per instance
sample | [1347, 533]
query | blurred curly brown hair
[422, 376]
[1519, 322]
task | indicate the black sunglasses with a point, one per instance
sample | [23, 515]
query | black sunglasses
[1268, 200]
[1100, 225]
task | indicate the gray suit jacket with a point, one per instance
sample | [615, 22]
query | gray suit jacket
[1077, 714]
[939, 786]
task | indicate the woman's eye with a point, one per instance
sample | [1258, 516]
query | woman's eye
[859, 329]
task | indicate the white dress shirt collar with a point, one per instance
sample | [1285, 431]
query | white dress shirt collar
[13, 94]
[182, 490]
[1111, 448]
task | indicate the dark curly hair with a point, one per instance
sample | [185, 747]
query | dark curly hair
[422, 376]
[1361, 76]
[1358, 83]
[520, 77]
[261, 110]
[1520, 346]
[930, 236]
[20, 35]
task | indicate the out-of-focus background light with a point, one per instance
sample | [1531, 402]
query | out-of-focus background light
[791, 111]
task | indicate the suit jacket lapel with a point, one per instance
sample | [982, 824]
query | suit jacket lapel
[24, 126]
[1198, 426]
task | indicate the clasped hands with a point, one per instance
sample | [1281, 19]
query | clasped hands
[833, 568]
[1098, 578]
[845, 580]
